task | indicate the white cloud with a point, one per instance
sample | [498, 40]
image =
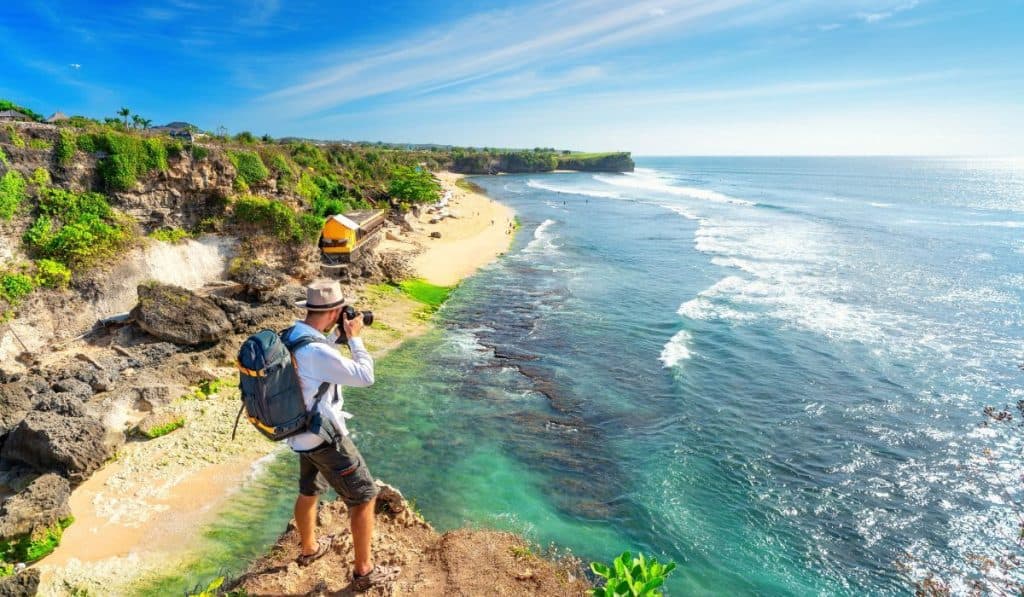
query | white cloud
[875, 17]
[75, 65]
[489, 44]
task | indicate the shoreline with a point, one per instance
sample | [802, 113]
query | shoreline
[146, 509]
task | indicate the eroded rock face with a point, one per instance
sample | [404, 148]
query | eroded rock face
[47, 441]
[40, 505]
[22, 584]
[180, 316]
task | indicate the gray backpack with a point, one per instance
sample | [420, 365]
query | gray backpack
[271, 393]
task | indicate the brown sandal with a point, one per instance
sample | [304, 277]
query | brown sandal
[378, 575]
[323, 545]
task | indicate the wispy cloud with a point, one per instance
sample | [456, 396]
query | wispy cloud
[875, 17]
[489, 44]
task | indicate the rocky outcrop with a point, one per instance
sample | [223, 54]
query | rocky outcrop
[41, 505]
[606, 162]
[184, 194]
[395, 266]
[22, 584]
[463, 562]
[180, 316]
[46, 441]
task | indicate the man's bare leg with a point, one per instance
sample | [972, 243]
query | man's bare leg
[305, 520]
[361, 519]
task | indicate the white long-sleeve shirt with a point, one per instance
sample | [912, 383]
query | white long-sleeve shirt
[318, 363]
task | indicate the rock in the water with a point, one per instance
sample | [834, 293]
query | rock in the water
[48, 442]
[177, 315]
[43, 504]
[22, 584]
[62, 403]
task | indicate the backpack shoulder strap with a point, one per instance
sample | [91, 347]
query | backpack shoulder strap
[292, 346]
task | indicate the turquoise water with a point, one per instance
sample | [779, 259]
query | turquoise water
[771, 371]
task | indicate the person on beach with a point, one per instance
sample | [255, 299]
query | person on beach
[338, 464]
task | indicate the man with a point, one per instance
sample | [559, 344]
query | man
[337, 463]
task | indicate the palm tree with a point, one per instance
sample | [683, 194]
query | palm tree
[146, 123]
[124, 112]
[136, 121]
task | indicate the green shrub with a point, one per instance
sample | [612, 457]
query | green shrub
[632, 577]
[40, 144]
[128, 157]
[250, 167]
[169, 235]
[52, 274]
[40, 177]
[413, 184]
[65, 148]
[15, 287]
[16, 139]
[245, 137]
[308, 155]
[307, 187]
[3, 158]
[211, 590]
[12, 193]
[278, 218]
[75, 229]
[324, 207]
[198, 152]
[87, 143]
[30, 548]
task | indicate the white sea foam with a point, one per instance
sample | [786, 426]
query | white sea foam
[677, 349]
[543, 241]
[880, 205]
[544, 186]
[647, 180]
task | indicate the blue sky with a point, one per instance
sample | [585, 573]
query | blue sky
[716, 77]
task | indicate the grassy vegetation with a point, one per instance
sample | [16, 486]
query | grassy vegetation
[38, 545]
[128, 156]
[277, 218]
[250, 167]
[15, 137]
[41, 144]
[3, 158]
[207, 389]
[169, 235]
[469, 185]
[12, 193]
[631, 577]
[76, 229]
[67, 145]
[429, 294]
[413, 184]
[162, 430]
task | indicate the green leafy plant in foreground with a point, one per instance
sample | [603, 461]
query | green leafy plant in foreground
[209, 591]
[631, 577]
[52, 274]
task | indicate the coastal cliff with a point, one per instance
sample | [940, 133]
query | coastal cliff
[149, 235]
[513, 162]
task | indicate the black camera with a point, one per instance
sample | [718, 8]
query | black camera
[349, 313]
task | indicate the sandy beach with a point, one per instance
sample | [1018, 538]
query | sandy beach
[143, 510]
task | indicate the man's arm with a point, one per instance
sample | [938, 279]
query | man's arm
[334, 368]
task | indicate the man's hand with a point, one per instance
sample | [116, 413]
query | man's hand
[352, 326]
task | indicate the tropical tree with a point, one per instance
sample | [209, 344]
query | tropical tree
[146, 123]
[137, 121]
[124, 113]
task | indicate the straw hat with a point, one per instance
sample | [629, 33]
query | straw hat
[322, 295]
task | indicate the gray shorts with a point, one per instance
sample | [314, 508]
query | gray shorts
[341, 467]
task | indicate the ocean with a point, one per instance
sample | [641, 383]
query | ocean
[771, 371]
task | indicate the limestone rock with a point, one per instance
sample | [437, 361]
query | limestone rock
[395, 266]
[48, 442]
[435, 234]
[62, 403]
[40, 505]
[22, 584]
[177, 315]
[74, 387]
[154, 421]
